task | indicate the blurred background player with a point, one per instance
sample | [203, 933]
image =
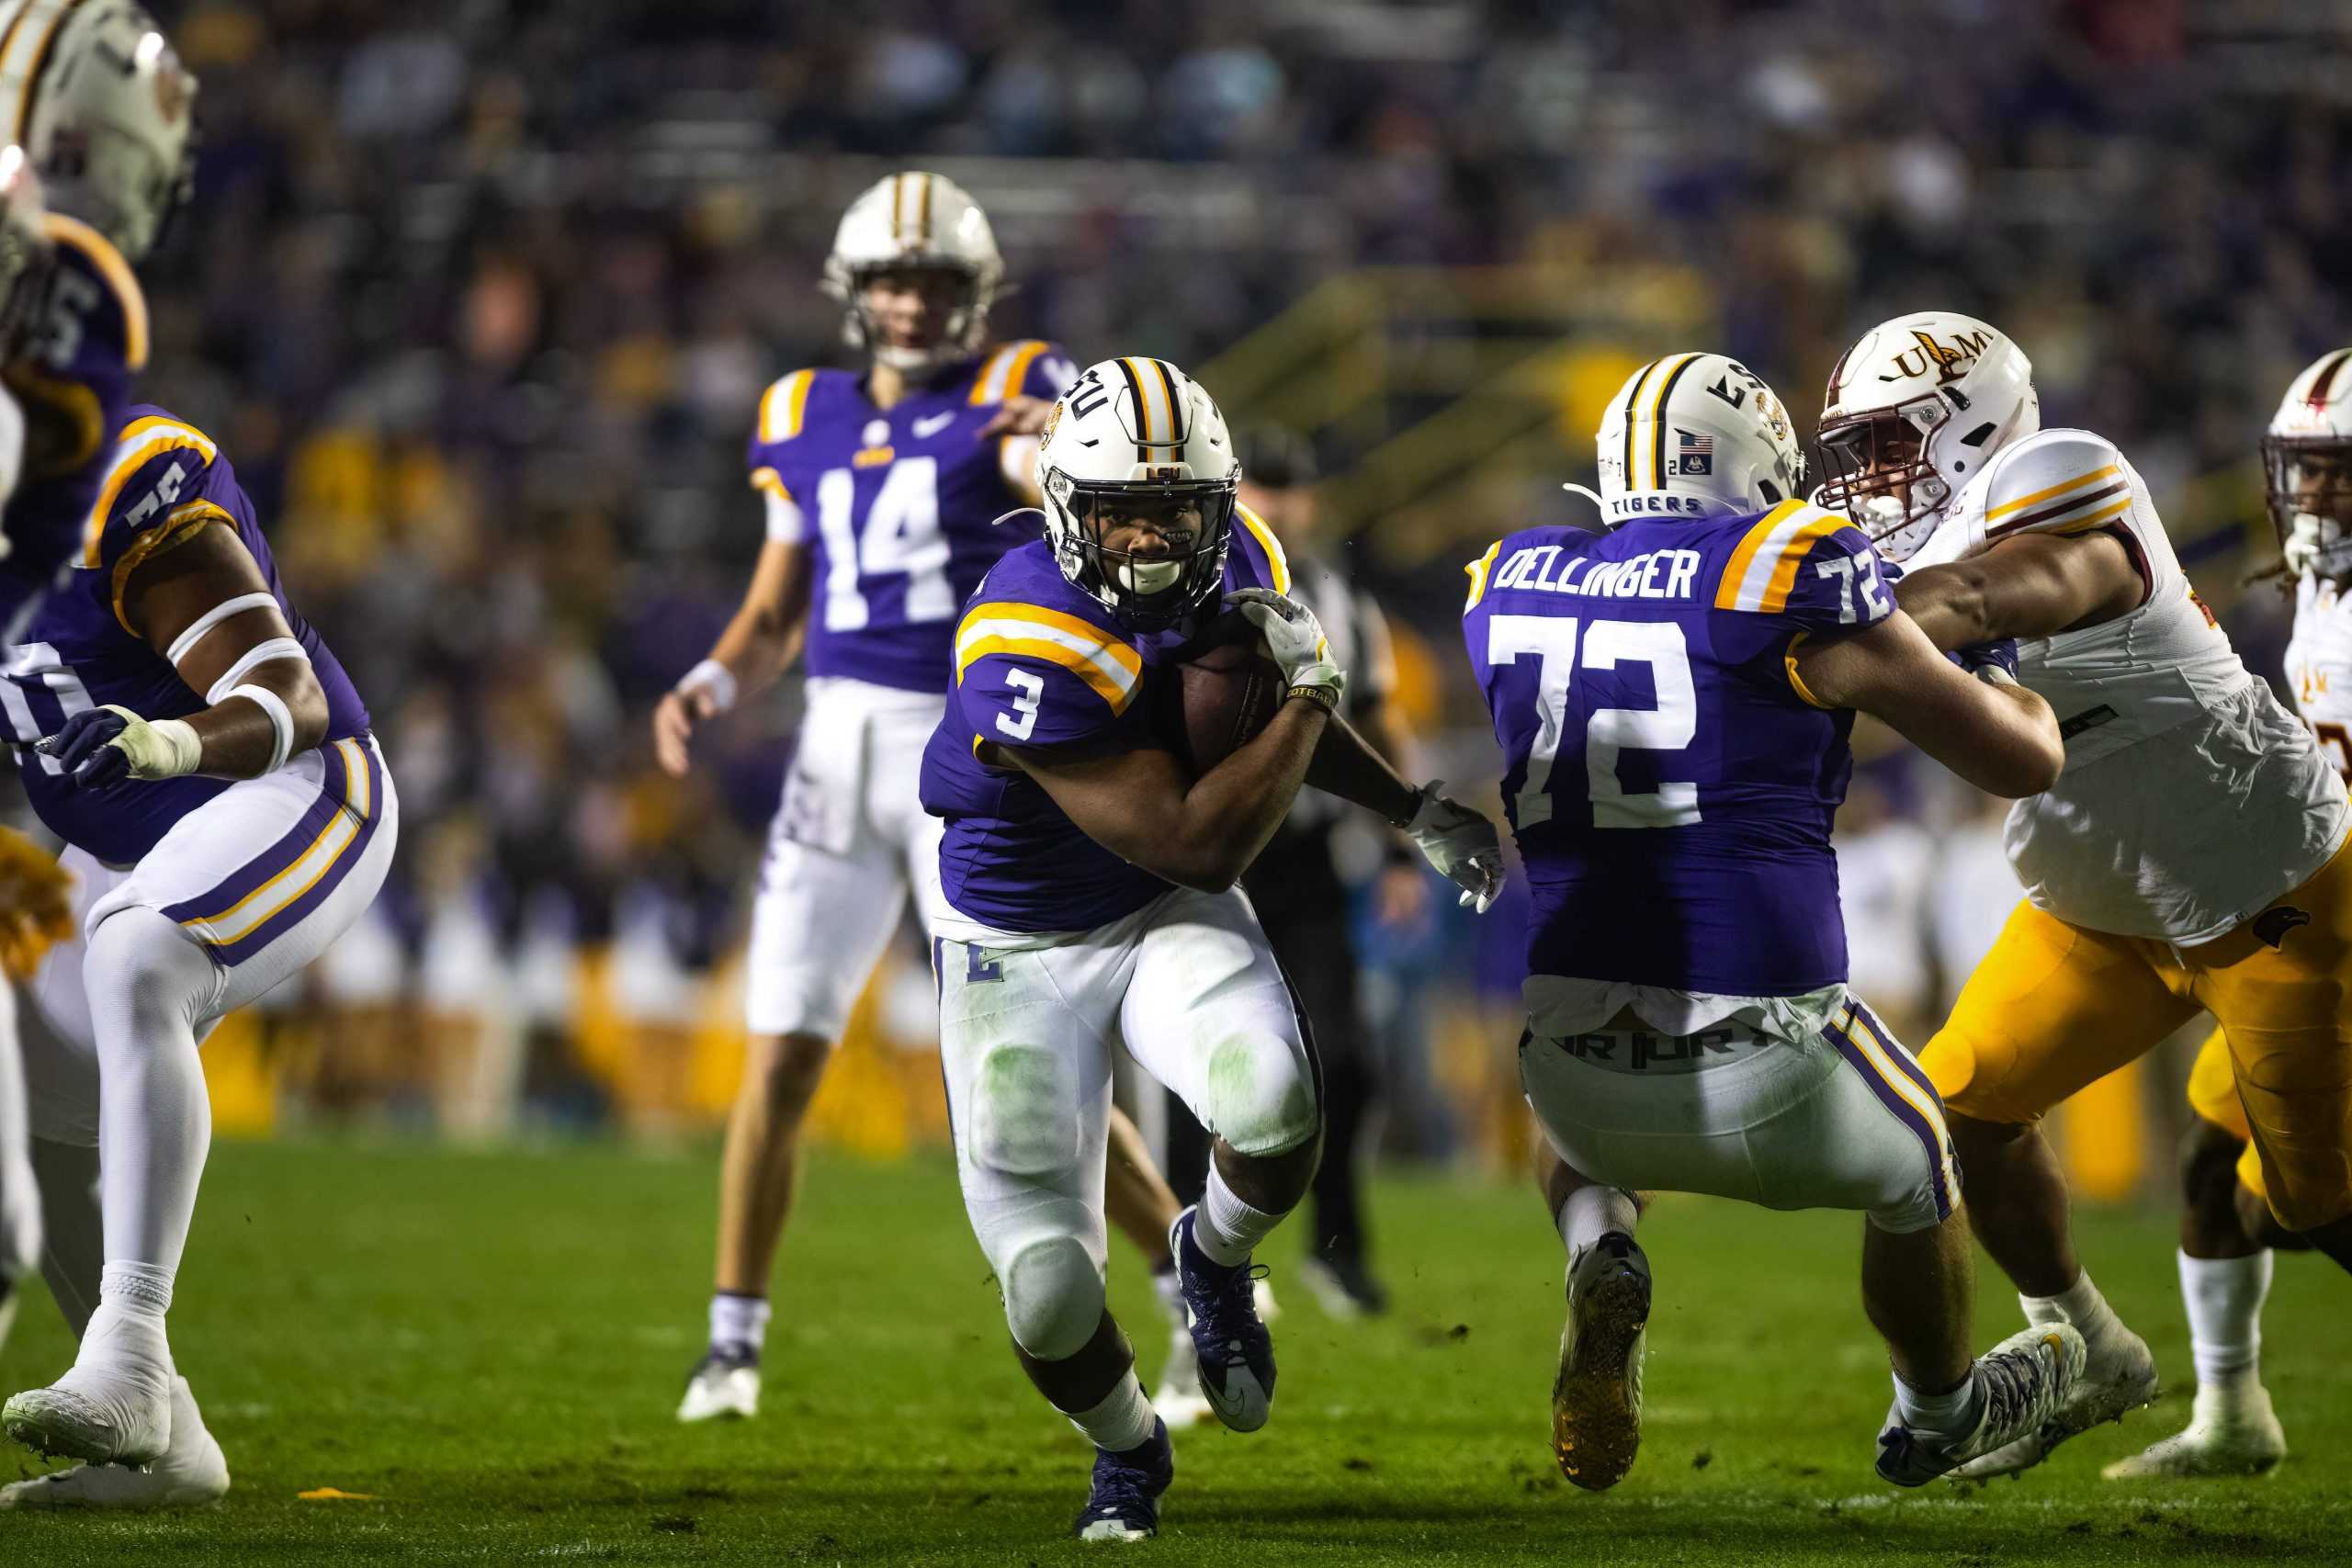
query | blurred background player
[884, 491]
[2227, 1232]
[1673, 699]
[1087, 897]
[95, 164]
[227, 816]
[1304, 902]
[2188, 858]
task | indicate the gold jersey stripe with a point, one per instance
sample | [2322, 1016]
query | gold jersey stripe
[103, 255]
[1742, 557]
[141, 439]
[1479, 571]
[182, 522]
[1996, 514]
[783, 405]
[1095, 636]
[1276, 561]
[1792, 555]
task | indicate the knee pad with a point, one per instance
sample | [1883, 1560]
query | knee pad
[139, 969]
[1259, 1098]
[1052, 1297]
[1025, 1112]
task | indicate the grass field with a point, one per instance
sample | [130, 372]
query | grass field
[490, 1346]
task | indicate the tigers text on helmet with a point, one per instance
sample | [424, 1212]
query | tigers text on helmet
[1913, 412]
[916, 222]
[1694, 435]
[102, 107]
[1135, 449]
[2307, 468]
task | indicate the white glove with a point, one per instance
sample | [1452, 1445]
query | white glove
[1460, 843]
[1293, 636]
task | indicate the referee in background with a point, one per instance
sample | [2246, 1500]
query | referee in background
[1302, 902]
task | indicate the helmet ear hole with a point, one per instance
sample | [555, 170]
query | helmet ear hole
[1978, 437]
[1771, 493]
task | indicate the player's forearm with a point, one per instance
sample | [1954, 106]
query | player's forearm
[1346, 765]
[1233, 809]
[1950, 605]
[763, 638]
[240, 736]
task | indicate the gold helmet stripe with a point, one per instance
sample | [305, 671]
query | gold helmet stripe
[1145, 407]
[1168, 380]
[40, 64]
[1642, 378]
[922, 212]
[1658, 419]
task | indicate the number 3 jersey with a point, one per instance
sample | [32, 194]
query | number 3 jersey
[163, 480]
[1670, 784]
[1040, 663]
[897, 507]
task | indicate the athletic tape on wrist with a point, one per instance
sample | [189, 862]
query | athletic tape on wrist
[711, 676]
[261, 653]
[213, 617]
[281, 723]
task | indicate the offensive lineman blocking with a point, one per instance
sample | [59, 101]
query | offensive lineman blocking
[1673, 699]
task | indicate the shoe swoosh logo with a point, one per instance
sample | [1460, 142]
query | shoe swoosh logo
[927, 428]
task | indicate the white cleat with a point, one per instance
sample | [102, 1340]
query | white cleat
[192, 1471]
[724, 1383]
[1597, 1398]
[2233, 1434]
[114, 1405]
[2023, 1383]
[2120, 1376]
[1179, 1401]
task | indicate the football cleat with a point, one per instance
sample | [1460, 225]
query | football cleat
[113, 1406]
[1344, 1286]
[1597, 1398]
[1124, 1502]
[2121, 1377]
[725, 1382]
[2235, 1435]
[2022, 1383]
[1235, 1354]
[191, 1472]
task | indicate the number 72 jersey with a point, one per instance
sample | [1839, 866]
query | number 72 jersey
[1670, 782]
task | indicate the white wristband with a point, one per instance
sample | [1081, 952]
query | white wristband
[281, 723]
[711, 677]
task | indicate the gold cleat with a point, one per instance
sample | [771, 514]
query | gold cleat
[1597, 1399]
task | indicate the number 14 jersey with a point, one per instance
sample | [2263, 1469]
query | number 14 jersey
[1670, 782]
[897, 507]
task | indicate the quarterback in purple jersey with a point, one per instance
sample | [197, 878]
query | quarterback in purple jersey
[886, 494]
[1673, 698]
[1087, 896]
[226, 815]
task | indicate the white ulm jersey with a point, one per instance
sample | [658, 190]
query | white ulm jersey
[2319, 668]
[2190, 798]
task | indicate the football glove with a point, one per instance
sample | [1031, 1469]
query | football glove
[1996, 662]
[101, 745]
[1460, 843]
[1293, 636]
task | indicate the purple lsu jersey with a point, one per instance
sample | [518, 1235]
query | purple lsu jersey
[897, 507]
[1040, 663]
[162, 480]
[88, 344]
[1670, 782]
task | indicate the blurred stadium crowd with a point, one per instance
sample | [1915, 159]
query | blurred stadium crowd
[479, 297]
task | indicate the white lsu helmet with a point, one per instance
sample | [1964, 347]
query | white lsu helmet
[94, 94]
[1913, 412]
[1131, 435]
[2307, 470]
[1695, 435]
[915, 220]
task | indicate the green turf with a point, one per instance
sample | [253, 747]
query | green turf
[492, 1344]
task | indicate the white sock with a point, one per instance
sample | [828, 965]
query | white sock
[1948, 1415]
[1168, 1285]
[136, 1286]
[2079, 1305]
[2224, 1297]
[1121, 1422]
[739, 1320]
[1592, 1213]
[1227, 1229]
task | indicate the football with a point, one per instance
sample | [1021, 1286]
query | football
[1225, 690]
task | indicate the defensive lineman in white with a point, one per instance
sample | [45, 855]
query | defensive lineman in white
[227, 816]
